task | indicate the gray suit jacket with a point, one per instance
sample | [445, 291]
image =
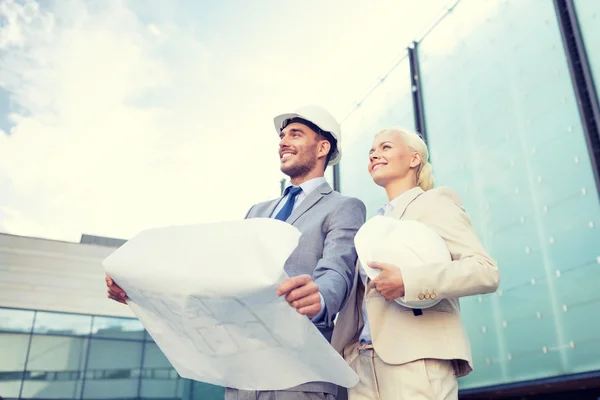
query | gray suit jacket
[328, 222]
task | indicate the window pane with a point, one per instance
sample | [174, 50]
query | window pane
[13, 351]
[54, 367]
[162, 383]
[62, 324]
[113, 369]
[390, 104]
[207, 391]
[119, 328]
[588, 14]
[505, 133]
[16, 320]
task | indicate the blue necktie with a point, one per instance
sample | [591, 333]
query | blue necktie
[285, 212]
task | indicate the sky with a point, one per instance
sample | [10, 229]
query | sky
[118, 116]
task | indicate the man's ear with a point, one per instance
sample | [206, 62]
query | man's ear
[416, 160]
[324, 147]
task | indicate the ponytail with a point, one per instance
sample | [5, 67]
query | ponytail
[425, 178]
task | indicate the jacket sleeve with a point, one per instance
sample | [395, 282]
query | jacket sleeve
[472, 271]
[249, 212]
[334, 273]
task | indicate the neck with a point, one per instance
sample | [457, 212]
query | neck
[396, 188]
[299, 180]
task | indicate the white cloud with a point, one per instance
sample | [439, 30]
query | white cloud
[154, 30]
[115, 137]
[123, 123]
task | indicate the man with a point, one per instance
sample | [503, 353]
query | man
[322, 266]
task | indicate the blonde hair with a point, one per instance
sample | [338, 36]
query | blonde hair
[414, 141]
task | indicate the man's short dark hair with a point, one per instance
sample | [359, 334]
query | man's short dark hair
[328, 136]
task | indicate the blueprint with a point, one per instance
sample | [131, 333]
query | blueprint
[207, 295]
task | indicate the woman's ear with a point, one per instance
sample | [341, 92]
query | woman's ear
[416, 160]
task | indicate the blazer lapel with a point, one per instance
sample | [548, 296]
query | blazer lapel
[312, 199]
[405, 200]
[269, 211]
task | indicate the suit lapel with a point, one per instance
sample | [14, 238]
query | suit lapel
[271, 208]
[312, 199]
[405, 200]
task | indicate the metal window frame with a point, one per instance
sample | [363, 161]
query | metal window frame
[582, 80]
[417, 90]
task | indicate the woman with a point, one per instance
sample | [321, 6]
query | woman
[400, 353]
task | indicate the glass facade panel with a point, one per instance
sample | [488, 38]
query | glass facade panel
[117, 328]
[111, 369]
[588, 14]
[16, 320]
[54, 367]
[13, 348]
[390, 104]
[160, 378]
[504, 131]
[62, 324]
[73, 356]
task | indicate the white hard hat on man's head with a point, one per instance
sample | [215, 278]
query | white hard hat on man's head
[322, 119]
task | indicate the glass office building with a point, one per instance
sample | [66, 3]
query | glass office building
[490, 87]
[50, 355]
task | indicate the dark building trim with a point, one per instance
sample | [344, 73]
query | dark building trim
[558, 387]
[416, 89]
[27, 354]
[282, 186]
[336, 177]
[582, 79]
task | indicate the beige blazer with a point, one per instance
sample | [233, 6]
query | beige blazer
[399, 336]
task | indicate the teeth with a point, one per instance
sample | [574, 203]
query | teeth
[377, 167]
[286, 155]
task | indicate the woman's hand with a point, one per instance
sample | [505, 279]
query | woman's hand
[389, 282]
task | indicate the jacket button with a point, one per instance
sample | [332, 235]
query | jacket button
[421, 296]
[433, 296]
[427, 296]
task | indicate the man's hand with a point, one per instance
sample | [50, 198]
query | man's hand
[302, 294]
[114, 291]
[389, 282]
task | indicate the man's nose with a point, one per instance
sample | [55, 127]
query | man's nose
[283, 142]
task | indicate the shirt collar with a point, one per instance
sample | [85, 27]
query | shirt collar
[390, 205]
[310, 185]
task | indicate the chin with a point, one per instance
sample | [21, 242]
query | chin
[285, 168]
[379, 180]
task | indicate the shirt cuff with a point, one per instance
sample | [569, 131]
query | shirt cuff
[321, 314]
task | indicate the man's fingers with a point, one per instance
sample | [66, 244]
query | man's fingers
[293, 283]
[309, 300]
[111, 285]
[117, 299]
[120, 294]
[310, 311]
[302, 292]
